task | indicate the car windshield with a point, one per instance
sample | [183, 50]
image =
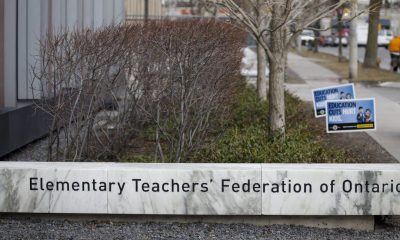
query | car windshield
[308, 33]
[385, 33]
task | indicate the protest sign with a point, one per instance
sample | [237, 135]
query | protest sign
[350, 115]
[339, 92]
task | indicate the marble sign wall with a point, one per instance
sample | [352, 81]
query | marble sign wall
[200, 189]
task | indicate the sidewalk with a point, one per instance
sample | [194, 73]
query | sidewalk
[388, 111]
[383, 55]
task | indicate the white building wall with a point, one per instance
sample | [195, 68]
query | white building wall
[108, 12]
[72, 14]
[98, 14]
[57, 15]
[22, 48]
[119, 11]
[10, 57]
[88, 13]
[35, 19]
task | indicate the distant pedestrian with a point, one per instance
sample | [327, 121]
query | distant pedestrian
[394, 48]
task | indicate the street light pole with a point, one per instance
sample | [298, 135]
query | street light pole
[353, 63]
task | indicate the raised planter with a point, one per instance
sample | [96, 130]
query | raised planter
[240, 190]
[21, 126]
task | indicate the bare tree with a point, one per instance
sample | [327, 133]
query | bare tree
[353, 55]
[371, 51]
[188, 77]
[261, 54]
[282, 21]
[105, 88]
[84, 89]
[339, 16]
[261, 69]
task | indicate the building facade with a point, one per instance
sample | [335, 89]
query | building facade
[23, 23]
[135, 9]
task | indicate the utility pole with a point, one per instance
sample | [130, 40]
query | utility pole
[146, 10]
[353, 64]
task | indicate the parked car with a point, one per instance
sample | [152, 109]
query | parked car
[326, 41]
[384, 37]
[362, 35]
[307, 37]
[345, 41]
[344, 33]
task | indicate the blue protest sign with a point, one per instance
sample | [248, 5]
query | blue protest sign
[321, 95]
[350, 115]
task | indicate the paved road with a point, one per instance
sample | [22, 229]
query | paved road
[383, 54]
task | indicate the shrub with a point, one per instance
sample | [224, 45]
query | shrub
[105, 87]
[245, 139]
[188, 76]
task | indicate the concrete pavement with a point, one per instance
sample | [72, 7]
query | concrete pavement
[383, 54]
[388, 108]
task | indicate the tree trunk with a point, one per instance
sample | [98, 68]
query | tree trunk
[261, 68]
[286, 68]
[317, 35]
[316, 42]
[298, 42]
[371, 51]
[353, 55]
[340, 29]
[277, 67]
[340, 46]
[276, 98]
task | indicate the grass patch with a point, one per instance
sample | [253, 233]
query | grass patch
[342, 68]
[244, 139]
